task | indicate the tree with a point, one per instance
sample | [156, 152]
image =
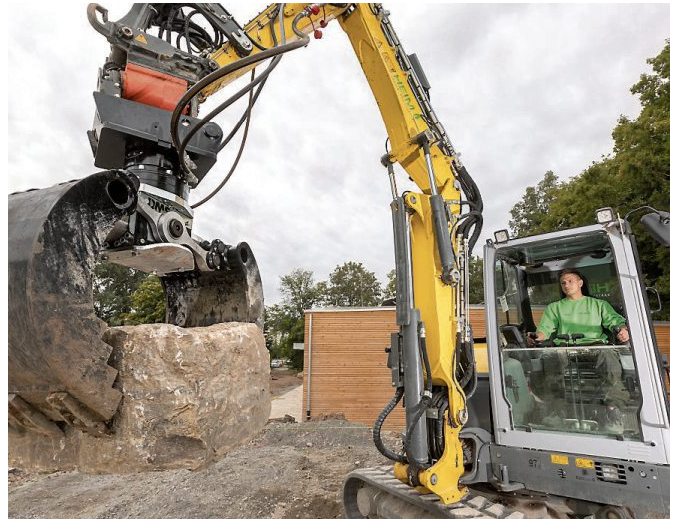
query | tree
[636, 173]
[285, 322]
[351, 284]
[282, 329]
[528, 214]
[476, 289]
[147, 303]
[113, 288]
[389, 291]
[299, 290]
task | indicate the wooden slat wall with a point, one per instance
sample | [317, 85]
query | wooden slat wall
[662, 332]
[349, 373]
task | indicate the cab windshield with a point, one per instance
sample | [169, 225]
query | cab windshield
[568, 382]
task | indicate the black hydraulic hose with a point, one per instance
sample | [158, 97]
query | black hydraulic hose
[185, 100]
[468, 393]
[474, 219]
[440, 434]
[243, 118]
[184, 143]
[247, 115]
[186, 31]
[473, 195]
[425, 357]
[377, 429]
[467, 361]
[471, 360]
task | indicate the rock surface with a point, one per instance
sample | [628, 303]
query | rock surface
[190, 396]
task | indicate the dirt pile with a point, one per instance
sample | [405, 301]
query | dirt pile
[189, 396]
[287, 471]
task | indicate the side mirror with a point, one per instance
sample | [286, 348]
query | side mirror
[658, 226]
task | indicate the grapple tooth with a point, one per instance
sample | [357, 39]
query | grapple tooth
[55, 235]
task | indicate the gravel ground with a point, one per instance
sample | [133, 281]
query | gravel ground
[289, 470]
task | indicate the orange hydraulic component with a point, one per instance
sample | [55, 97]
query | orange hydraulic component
[150, 87]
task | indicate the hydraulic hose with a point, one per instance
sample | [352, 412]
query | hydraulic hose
[184, 143]
[377, 428]
[247, 117]
[473, 195]
[425, 358]
[440, 435]
[185, 100]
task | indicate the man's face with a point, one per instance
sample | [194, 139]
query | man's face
[571, 285]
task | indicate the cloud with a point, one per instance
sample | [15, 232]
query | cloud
[520, 88]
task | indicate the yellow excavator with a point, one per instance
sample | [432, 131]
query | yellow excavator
[481, 427]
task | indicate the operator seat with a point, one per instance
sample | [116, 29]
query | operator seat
[514, 339]
[513, 335]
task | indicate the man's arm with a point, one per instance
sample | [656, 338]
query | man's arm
[611, 318]
[547, 325]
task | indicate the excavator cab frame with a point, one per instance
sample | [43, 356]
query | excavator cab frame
[628, 466]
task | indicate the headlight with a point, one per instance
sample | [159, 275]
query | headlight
[604, 215]
[502, 236]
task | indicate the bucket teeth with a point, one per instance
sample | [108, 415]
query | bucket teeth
[55, 236]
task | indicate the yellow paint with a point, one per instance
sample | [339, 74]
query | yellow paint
[585, 463]
[402, 117]
[559, 459]
[140, 38]
[448, 470]
[481, 356]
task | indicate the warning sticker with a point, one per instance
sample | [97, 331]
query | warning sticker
[140, 38]
[585, 463]
[559, 459]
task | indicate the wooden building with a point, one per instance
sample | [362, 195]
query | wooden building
[346, 365]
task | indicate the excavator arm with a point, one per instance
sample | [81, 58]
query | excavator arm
[431, 259]
[147, 128]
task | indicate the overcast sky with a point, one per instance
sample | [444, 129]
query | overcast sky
[520, 88]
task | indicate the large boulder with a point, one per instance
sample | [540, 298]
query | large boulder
[190, 396]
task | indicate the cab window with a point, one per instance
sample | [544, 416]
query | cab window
[564, 385]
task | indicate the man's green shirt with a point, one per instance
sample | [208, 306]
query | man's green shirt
[587, 315]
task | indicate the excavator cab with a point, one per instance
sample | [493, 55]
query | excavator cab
[569, 382]
[575, 411]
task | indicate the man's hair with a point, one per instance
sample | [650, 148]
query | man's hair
[570, 271]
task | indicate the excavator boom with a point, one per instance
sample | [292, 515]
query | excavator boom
[148, 135]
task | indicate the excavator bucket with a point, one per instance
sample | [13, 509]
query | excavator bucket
[57, 364]
[59, 367]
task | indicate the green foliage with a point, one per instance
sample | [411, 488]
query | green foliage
[282, 329]
[147, 303]
[476, 290]
[299, 291]
[351, 284]
[113, 287]
[528, 214]
[285, 322]
[636, 173]
[389, 291]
